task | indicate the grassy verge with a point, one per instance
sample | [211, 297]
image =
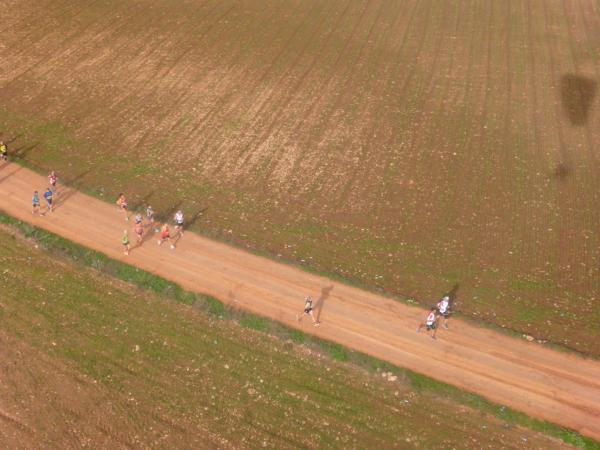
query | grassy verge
[288, 337]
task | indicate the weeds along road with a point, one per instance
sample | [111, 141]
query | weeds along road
[554, 386]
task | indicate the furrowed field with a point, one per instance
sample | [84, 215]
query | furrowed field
[405, 145]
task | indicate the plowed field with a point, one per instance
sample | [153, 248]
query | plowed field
[406, 145]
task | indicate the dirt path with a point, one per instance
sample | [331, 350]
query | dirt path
[553, 386]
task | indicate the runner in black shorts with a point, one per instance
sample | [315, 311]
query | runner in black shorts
[430, 322]
[35, 202]
[308, 310]
[3, 151]
[179, 222]
[443, 308]
[48, 198]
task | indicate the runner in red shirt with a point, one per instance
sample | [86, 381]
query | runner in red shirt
[139, 232]
[122, 205]
[52, 178]
[430, 322]
[165, 235]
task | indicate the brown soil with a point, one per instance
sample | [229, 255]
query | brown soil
[557, 387]
[409, 145]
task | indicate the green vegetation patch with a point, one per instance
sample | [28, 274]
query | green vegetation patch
[236, 380]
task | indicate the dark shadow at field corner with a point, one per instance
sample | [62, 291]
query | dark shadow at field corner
[320, 303]
[577, 94]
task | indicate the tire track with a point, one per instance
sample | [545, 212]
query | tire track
[351, 74]
[346, 189]
[267, 166]
[276, 107]
[208, 119]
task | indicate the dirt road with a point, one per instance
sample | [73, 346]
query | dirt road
[553, 386]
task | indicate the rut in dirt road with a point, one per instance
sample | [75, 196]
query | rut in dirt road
[558, 387]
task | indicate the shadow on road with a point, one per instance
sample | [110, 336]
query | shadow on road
[64, 194]
[320, 303]
[4, 177]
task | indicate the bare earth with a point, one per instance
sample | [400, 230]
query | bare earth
[558, 387]
[408, 145]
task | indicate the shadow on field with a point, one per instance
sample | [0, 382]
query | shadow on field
[22, 151]
[13, 139]
[166, 215]
[561, 171]
[194, 217]
[142, 203]
[321, 301]
[577, 94]
[452, 295]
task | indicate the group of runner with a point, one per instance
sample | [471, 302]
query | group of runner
[441, 310]
[139, 228]
[49, 196]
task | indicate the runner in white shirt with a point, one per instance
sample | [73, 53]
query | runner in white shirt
[179, 222]
[430, 322]
[443, 308]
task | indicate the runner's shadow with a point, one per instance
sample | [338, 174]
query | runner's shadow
[167, 215]
[194, 218]
[321, 301]
[66, 194]
[4, 165]
[143, 202]
[22, 151]
[452, 295]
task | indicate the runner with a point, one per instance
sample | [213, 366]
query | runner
[35, 202]
[125, 242]
[3, 151]
[165, 235]
[48, 198]
[150, 217]
[52, 180]
[122, 205]
[179, 222]
[443, 308]
[139, 231]
[430, 322]
[308, 310]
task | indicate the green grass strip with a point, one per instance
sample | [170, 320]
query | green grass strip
[145, 280]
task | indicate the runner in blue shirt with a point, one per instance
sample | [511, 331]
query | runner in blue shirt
[48, 198]
[35, 202]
